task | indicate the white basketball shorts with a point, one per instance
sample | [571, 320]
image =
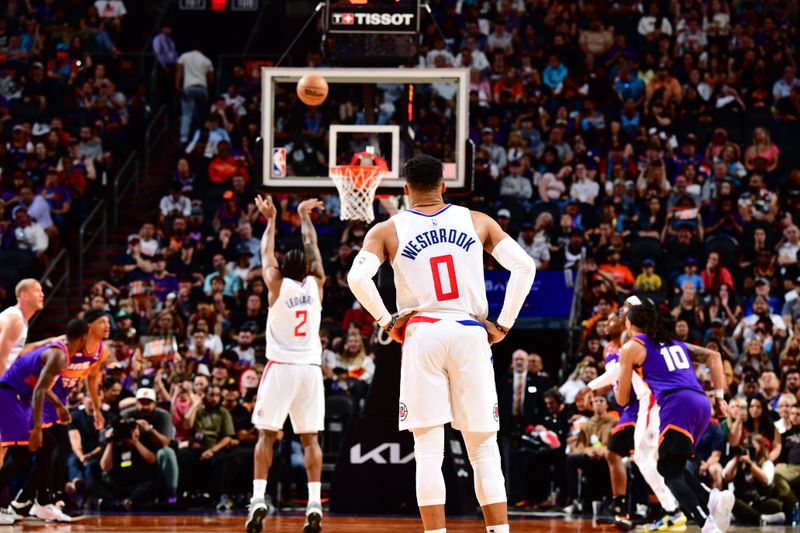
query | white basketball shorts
[648, 423]
[447, 376]
[293, 390]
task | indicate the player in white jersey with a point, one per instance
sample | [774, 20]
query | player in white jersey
[292, 381]
[14, 321]
[436, 250]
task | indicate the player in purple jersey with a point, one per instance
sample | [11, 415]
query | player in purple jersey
[23, 389]
[665, 364]
[85, 364]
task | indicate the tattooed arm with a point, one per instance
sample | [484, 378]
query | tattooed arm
[311, 249]
[713, 360]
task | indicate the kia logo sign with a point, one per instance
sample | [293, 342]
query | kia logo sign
[378, 456]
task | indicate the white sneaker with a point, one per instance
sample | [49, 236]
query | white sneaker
[7, 518]
[710, 526]
[775, 518]
[720, 505]
[49, 513]
[313, 518]
[255, 516]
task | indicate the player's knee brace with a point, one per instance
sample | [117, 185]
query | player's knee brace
[484, 455]
[429, 454]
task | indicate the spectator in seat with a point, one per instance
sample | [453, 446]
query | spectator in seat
[29, 235]
[39, 210]
[761, 496]
[588, 452]
[785, 403]
[585, 372]
[224, 166]
[233, 283]
[59, 198]
[175, 203]
[791, 307]
[788, 466]
[83, 464]
[746, 329]
[788, 254]
[648, 280]
[131, 469]
[515, 187]
[243, 348]
[623, 277]
[156, 433]
[212, 427]
[714, 274]
[537, 249]
[689, 276]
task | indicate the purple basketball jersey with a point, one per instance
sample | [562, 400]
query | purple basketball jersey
[78, 367]
[24, 373]
[667, 367]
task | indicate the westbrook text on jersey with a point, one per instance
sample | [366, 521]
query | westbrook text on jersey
[436, 236]
[299, 300]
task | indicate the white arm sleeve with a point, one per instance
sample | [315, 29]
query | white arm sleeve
[365, 266]
[609, 377]
[512, 257]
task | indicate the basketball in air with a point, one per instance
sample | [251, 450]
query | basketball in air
[312, 89]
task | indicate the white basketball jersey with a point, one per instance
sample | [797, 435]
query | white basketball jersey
[15, 351]
[293, 324]
[438, 267]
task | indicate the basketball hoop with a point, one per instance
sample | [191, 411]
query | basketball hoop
[357, 185]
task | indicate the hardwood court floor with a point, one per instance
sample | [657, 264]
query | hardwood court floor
[294, 524]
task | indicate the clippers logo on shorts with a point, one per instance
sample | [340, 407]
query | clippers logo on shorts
[279, 162]
[403, 412]
[496, 413]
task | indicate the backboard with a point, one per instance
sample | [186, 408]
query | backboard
[393, 113]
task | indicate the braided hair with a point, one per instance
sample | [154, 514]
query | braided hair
[294, 265]
[647, 318]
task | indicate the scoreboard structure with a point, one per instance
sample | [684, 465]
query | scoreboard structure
[372, 16]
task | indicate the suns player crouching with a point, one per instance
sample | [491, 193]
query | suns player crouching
[292, 381]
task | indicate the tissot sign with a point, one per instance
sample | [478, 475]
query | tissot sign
[370, 16]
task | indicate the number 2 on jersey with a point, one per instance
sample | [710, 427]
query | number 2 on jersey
[675, 358]
[437, 263]
[302, 317]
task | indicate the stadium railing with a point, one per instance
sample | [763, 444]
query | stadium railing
[93, 227]
[159, 125]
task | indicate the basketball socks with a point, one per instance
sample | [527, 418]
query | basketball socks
[314, 492]
[259, 489]
[498, 529]
[443, 530]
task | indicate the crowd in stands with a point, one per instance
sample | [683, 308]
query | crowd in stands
[70, 109]
[648, 147]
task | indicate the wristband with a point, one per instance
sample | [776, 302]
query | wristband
[501, 329]
[719, 394]
[388, 327]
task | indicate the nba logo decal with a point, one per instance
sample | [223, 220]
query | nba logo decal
[279, 162]
[403, 412]
[496, 413]
[434, 222]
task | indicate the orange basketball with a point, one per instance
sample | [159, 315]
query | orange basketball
[312, 89]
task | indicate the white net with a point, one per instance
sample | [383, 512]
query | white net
[357, 186]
